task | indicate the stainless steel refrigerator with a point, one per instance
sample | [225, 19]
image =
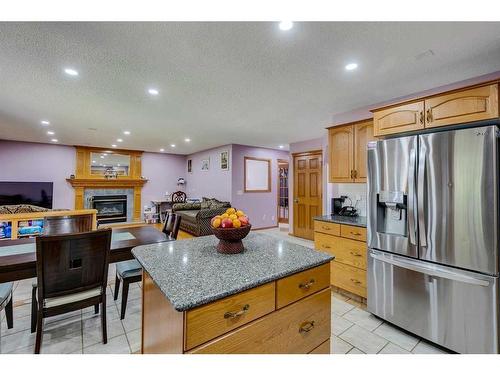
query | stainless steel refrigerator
[433, 236]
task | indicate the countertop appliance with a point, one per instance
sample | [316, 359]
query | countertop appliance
[433, 236]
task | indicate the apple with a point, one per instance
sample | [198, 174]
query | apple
[227, 223]
[244, 220]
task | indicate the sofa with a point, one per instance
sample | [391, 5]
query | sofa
[196, 216]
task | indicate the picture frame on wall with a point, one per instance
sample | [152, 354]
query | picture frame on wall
[205, 164]
[257, 175]
[224, 160]
[190, 165]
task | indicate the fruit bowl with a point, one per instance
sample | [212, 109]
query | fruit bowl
[230, 239]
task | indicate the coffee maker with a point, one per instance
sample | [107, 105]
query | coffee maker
[338, 207]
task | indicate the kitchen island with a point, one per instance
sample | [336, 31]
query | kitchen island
[272, 298]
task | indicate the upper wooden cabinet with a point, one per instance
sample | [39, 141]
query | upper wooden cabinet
[456, 107]
[480, 103]
[403, 118]
[348, 152]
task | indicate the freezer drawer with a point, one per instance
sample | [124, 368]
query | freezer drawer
[453, 308]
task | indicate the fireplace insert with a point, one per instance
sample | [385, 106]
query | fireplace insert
[110, 208]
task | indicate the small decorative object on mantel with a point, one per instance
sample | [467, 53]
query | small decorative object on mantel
[181, 181]
[72, 177]
[110, 173]
[230, 228]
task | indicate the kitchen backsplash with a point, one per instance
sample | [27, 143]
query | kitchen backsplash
[353, 191]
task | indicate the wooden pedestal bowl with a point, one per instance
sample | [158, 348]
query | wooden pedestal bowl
[230, 239]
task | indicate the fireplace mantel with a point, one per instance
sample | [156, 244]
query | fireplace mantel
[106, 183]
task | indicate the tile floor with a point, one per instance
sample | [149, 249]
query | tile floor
[354, 330]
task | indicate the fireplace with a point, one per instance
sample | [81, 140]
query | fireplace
[110, 208]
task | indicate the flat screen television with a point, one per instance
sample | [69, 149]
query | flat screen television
[35, 193]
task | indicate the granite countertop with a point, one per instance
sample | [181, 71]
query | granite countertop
[191, 272]
[358, 221]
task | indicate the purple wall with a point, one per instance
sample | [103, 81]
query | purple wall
[214, 183]
[261, 208]
[162, 172]
[22, 161]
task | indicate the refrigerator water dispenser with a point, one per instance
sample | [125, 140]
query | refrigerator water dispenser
[392, 212]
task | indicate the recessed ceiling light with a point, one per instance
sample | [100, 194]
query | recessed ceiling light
[153, 92]
[162, 149]
[126, 132]
[119, 140]
[54, 140]
[71, 72]
[113, 145]
[93, 161]
[351, 66]
[286, 25]
[172, 145]
[187, 140]
[281, 146]
[50, 132]
[118, 165]
[108, 152]
[102, 156]
[45, 122]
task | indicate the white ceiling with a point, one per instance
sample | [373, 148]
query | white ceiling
[220, 82]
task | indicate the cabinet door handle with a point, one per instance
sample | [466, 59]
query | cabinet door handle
[356, 281]
[307, 285]
[355, 234]
[352, 173]
[325, 228]
[355, 254]
[421, 117]
[429, 115]
[327, 246]
[306, 326]
[355, 173]
[235, 314]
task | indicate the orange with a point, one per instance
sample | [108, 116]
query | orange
[236, 223]
[224, 216]
[240, 213]
[233, 217]
[230, 211]
[216, 223]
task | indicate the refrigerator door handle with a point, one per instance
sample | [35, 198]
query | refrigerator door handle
[417, 266]
[420, 196]
[411, 198]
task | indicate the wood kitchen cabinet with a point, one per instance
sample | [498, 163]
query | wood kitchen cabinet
[348, 152]
[460, 106]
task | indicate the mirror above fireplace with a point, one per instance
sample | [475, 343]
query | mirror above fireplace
[109, 164]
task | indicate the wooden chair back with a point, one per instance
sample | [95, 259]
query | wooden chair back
[178, 197]
[67, 224]
[172, 226]
[72, 263]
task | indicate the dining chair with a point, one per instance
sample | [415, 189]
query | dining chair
[6, 303]
[130, 271]
[178, 197]
[67, 224]
[72, 272]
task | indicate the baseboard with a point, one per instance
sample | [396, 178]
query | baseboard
[274, 226]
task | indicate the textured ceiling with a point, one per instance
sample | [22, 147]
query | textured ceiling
[220, 82]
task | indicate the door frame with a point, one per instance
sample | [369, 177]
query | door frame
[287, 162]
[292, 197]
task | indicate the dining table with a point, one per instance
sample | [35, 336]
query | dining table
[18, 257]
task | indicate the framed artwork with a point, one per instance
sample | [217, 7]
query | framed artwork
[190, 165]
[257, 175]
[205, 164]
[224, 160]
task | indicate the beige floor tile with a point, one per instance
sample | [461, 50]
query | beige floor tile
[116, 345]
[424, 347]
[339, 296]
[397, 336]
[339, 324]
[390, 348]
[92, 329]
[363, 339]
[17, 341]
[339, 346]
[134, 340]
[340, 307]
[132, 321]
[363, 319]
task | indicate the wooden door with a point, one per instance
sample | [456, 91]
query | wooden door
[307, 193]
[341, 143]
[363, 133]
[480, 103]
[402, 118]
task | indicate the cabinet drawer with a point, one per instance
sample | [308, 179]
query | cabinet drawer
[297, 328]
[345, 250]
[322, 349]
[214, 319]
[349, 278]
[302, 284]
[479, 103]
[328, 228]
[355, 233]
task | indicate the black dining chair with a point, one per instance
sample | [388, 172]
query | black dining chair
[130, 271]
[72, 272]
[67, 224]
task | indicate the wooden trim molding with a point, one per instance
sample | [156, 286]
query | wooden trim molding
[103, 183]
